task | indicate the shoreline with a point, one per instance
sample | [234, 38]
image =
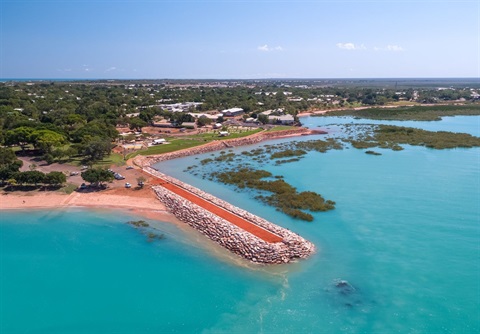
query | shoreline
[144, 206]
[151, 203]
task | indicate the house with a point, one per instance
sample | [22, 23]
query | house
[284, 119]
[232, 112]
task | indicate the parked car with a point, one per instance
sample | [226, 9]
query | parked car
[118, 176]
[130, 167]
[83, 186]
[128, 185]
[73, 173]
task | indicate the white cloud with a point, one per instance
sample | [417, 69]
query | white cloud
[351, 46]
[266, 48]
[392, 48]
[113, 68]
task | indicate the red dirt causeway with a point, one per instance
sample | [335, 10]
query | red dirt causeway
[222, 213]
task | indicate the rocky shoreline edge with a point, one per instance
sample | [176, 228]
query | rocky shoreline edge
[233, 238]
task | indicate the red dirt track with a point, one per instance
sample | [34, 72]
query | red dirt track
[222, 213]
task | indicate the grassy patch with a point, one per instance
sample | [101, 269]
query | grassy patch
[68, 188]
[282, 128]
[174, 145]
[113, 159]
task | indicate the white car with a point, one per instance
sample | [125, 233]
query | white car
[128, 185]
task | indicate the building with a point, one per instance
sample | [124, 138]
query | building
[232, 112]
[284, 119]
[189, 125]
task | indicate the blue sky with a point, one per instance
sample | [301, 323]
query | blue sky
[239, 39]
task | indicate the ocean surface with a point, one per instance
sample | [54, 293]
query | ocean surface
[405, 235]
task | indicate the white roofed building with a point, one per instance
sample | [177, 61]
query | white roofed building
[232, 112]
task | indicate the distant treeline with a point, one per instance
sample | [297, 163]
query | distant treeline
[414, 113]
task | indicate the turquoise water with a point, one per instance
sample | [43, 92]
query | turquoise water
[405, 234]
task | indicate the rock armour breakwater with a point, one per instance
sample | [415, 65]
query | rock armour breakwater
[237, 240]
[228, 235]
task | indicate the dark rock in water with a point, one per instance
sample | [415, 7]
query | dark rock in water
[344, 295]
[344, 288]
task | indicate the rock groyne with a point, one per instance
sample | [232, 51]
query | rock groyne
[238, 240]
[228, 235]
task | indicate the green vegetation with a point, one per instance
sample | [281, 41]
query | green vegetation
[151, 236]
[97, 176]
[281, 128]
[174, 145]
[52, 180]
[415, 113]
[9, 164]
[284, 197]
[138, 223]
[287, 154]
[373, 153]
[68, 188]
[391, 137]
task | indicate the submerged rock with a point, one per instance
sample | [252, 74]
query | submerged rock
[344, 288]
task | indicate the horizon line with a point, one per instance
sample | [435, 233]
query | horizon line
[238, 79]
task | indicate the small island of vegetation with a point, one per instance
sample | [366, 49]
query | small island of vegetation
[284, 197]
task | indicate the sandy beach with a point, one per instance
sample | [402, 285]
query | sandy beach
[142, 202]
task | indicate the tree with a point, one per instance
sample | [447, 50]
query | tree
[96, 149]
[30, 177]
[55, 178]
[262, 118]
[9, 164]
[136, 123]
[20, 136]
[181, 117]
[46, 140]
[97, 176]
[203, 120]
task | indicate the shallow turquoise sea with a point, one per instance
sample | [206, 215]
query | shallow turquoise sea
[405, 234]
